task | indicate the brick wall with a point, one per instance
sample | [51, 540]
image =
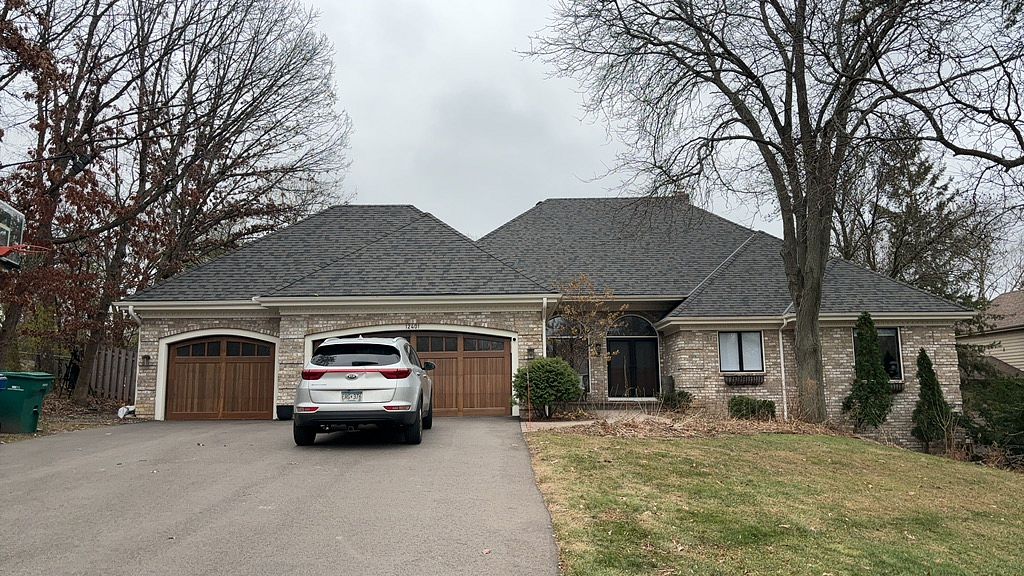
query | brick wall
[691, 358]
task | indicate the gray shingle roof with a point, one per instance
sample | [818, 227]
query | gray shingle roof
[368, 243]
[658, 246]
[753, 283]
[425, 257]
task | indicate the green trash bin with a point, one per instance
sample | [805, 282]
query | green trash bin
[21, 400]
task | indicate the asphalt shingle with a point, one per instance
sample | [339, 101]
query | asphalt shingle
[660, 246]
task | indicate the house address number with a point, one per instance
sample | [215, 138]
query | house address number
[412, 325]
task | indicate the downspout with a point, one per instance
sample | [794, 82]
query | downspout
[544, 328]
[782, 363]
[138, 352]
[134, 316]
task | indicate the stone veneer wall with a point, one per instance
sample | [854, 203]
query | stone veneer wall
[691, 358]
[293, 328]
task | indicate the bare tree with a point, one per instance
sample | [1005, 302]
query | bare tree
[898, 214]
[773, 96]
[197, 126]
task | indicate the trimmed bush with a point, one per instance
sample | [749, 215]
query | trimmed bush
[932, 415]
[677, 400]
[870, 397]
[750, 408]
[546, 382]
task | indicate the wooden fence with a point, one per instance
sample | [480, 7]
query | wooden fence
[113, 372]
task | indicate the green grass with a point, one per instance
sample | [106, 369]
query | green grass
[774, 504]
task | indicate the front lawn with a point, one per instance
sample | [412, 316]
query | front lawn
[774, 504]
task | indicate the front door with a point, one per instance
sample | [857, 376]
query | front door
[632, 368]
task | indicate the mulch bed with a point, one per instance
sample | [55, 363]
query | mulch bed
[60, 414]
[691, 426]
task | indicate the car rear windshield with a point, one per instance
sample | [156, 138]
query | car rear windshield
[356, 355]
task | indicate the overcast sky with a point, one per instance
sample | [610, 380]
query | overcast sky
[449, 117]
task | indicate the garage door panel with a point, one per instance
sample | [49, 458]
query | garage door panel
[445, 377]
[220, 378]
[194, 390]
[245, 392]
[485, 384]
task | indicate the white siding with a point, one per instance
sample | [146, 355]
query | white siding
[1010, 347]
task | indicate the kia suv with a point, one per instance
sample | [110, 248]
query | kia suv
[353, 381]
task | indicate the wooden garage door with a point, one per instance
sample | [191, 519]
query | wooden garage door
[473, 375]
[222, 377]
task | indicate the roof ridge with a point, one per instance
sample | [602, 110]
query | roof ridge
[707, 279]
[835, 261]
[351, 252]
[488, 253]
[238, 248]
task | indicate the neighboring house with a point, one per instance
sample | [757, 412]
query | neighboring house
[707, 310]
[1003, 337]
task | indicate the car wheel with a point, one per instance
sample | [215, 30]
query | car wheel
[303, 435]
[414, 431]
[428, 420]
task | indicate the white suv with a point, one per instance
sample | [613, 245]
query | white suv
[353, 381]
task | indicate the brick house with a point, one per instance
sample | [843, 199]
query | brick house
[707, 310]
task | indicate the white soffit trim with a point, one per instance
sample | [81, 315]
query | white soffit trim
[378, 300]
[191, 305]
[887, 316]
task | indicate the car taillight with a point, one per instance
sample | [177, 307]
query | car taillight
[313, 374]
[306, 408]
[397, 407]
[395, 373]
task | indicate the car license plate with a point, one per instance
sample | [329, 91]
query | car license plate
[351, 395]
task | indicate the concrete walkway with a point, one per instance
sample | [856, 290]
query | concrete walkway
[241, 498]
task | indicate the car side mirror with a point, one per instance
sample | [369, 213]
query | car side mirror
[429, 365]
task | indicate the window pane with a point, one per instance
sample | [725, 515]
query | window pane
[470, 344]
[451, 344]
[248, 349]
[199, 349]
[213, 348]
[632, 326]
[436, 344]
[751, 351]
[729, 351]
[262, 350]
[234, 348]
[183, 350]
[422, 344]
[889, 344]
[356, 354]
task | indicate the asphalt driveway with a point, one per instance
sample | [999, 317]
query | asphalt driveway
[240, 498]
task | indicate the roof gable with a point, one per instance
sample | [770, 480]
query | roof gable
[1007, 310]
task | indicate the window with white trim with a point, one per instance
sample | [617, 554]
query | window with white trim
[890, 347]
[740, 352]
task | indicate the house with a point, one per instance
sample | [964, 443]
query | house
[1003, 338]
[706, 310]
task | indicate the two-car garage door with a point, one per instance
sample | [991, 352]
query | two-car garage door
[230, 377]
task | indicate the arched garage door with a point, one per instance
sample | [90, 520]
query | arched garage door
[220, 377]
[474, 372]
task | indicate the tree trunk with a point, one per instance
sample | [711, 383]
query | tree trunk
[809, 371]
[9, 333]
[111, 282]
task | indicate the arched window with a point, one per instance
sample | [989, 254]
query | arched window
[565, 342]
[632, 326]
[633, 364]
